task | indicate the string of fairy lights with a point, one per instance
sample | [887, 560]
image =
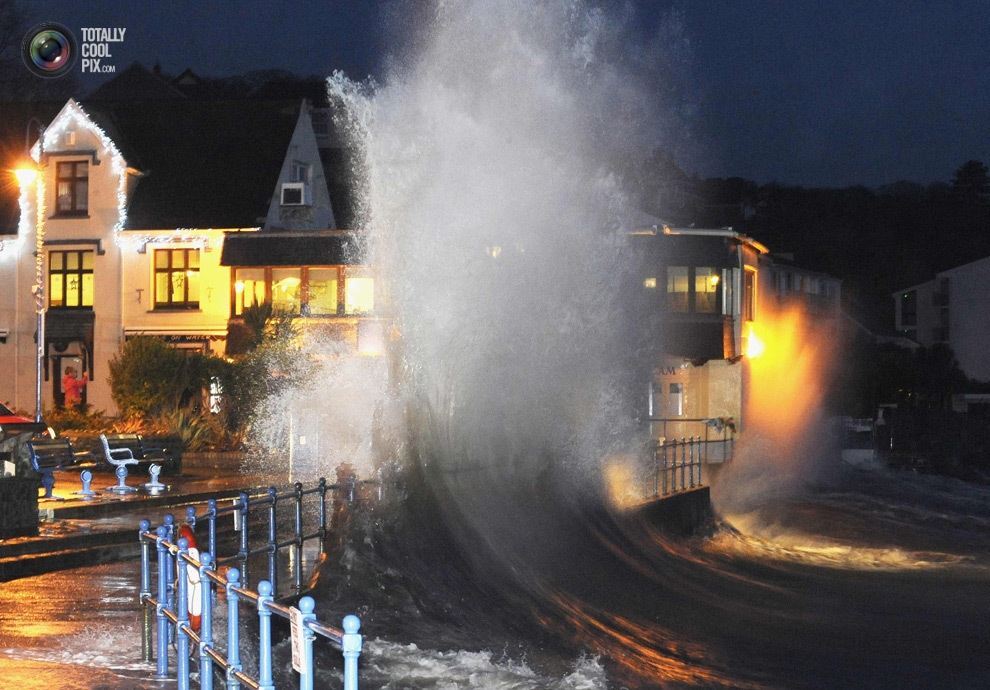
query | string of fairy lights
[73, 115]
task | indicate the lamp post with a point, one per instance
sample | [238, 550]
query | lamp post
[39, 258]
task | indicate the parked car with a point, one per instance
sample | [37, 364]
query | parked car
[15, 431]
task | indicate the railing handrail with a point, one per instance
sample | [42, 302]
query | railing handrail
[170, 604]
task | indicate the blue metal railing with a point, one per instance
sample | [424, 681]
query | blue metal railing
[169, 606]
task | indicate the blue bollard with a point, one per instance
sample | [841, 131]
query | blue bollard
[233, 630]
[182, 614]
[86, 477]
[265, 680]
[121, 487]
[206, 623]
[306, 606]
[153, 486]
[161, 670]
[351, 646]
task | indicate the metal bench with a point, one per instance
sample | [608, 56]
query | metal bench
[48, 455]
[142, 451]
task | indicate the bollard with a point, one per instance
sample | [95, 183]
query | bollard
[206, 623]
[233, 630]
[145, 592]
[86, 477]
[154, 486]
[323, 504]
[306, 606]
[182, 614]
[272, 537]
[211, 515]
[121, 486]
[265, 680]
[351, 646]
[161, 670]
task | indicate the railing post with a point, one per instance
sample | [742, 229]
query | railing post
[297, 574]
[145, 592]
[245, 508]
[272, 538]
[306, 606]
[692, 448]
[265, 680]
[169, 521]
[323, 504]
[683, 461]
[161, 670]
[351, 646]
[233, 630]
[206, 623]
[191, 517]
[182, 614]
[664, 475]
[211, 514]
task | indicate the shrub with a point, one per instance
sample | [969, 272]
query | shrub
[147, 377]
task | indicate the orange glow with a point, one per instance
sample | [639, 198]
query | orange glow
[754, 346]
[788, 379]
[25, 175]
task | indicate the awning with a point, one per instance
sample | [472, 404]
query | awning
[288, 249]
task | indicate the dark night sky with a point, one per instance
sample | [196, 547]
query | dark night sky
[816, 93]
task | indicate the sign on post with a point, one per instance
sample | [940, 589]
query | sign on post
[296, 624]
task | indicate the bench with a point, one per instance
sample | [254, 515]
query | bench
[48, 455]
[141, 452]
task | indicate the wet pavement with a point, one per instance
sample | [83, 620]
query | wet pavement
[81, 627]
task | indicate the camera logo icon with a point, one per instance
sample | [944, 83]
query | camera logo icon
[49, 50]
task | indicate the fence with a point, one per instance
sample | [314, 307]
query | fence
[676, 466]
[170, 606]
[717, 435]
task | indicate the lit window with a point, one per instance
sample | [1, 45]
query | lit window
[322, 298]
[359, 294]
[286, 289]
[249, 288]
[706, 283]
[650, 283]
[70, 280]
[677, 288]
[749, 294]
[176, 278]
[675, 401]
[72, 188]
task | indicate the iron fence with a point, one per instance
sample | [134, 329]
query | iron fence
[169, 605]
[676, 466]
[717, 435]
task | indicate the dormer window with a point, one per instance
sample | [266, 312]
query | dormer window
[72, 188]
[299, 172]
[70, 137]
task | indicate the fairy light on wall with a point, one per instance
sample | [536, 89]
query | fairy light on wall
[74, 114]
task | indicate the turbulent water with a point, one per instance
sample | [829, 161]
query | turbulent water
[495, 216]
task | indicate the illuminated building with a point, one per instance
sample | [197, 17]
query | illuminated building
[146, 207]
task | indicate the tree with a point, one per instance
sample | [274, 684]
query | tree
[971, 183]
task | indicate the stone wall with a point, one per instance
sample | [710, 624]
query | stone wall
[18, 507]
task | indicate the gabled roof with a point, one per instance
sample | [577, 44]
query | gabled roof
[203, 163]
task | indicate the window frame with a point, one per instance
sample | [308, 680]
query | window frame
[65, 272]
[344, 273]
[73, 180]
[168, 270]
[749, 290]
